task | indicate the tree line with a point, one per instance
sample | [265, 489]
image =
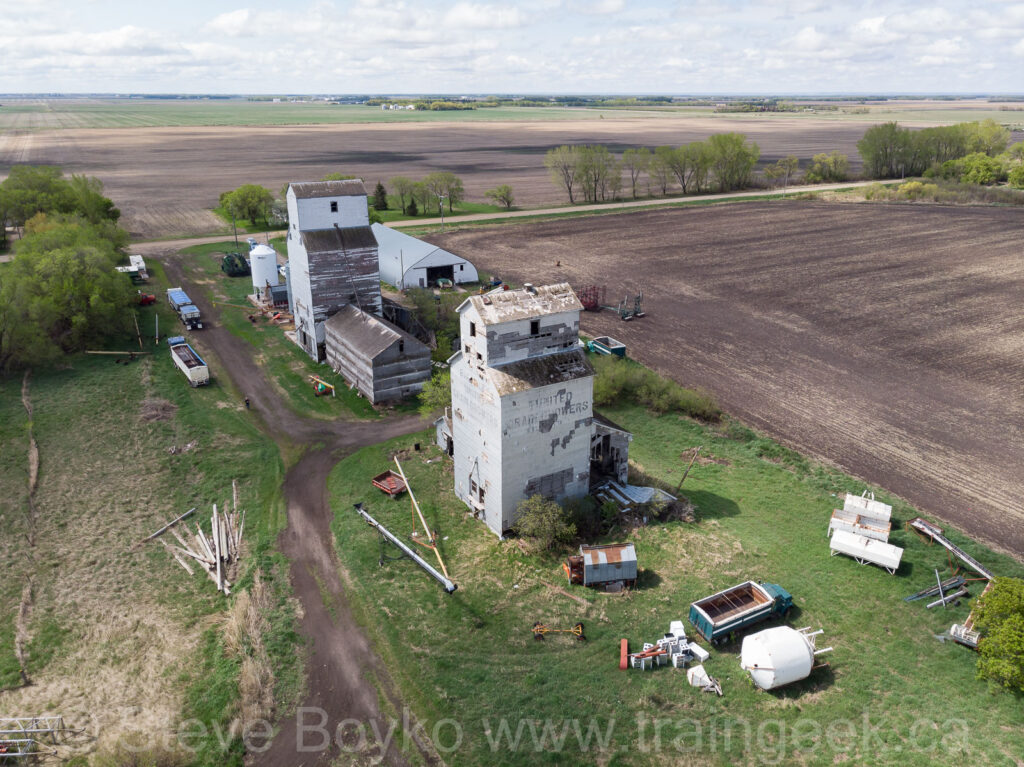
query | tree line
[724, 162]
[889, 151]
[61, 292]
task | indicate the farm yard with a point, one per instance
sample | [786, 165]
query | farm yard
[165, 165]
[885, 339]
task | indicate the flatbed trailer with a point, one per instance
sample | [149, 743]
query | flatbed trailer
[736, 608]
[189, 362]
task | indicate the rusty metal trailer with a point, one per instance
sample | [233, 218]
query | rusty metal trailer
[738, 607]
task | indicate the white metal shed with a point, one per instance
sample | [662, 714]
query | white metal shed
[407, 262]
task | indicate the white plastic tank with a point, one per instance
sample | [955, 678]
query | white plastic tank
[263, 262]
[779, 656]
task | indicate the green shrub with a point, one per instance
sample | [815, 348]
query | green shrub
[999, 615]
[621, 380]
[543, 521]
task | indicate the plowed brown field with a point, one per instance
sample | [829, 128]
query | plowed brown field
[886, 339]
[165, 180]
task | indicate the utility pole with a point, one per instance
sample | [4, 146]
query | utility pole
[440, 206]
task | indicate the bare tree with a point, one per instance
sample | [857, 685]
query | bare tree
[636, 161]
[561, 162]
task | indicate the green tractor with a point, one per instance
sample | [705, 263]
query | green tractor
[235, 265]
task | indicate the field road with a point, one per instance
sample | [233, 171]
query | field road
[155, 247]
[886, 339]
[631, 204]
[344, 676]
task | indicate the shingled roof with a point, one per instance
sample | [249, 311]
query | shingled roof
[348, 188]
[331, 240]
[508, 305]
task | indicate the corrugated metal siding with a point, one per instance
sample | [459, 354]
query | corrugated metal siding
[602, 564]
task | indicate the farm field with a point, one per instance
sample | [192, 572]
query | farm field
[166, 177]
[885, 339]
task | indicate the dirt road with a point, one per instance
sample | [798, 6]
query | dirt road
[344, 675]
[885, 339]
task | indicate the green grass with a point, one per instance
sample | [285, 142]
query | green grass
[394, 212]
[46, 114]
[106, 480]
[762, 514]
[245, 227]
[286, 365]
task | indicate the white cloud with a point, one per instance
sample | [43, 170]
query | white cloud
[600, 7]
[1018, 49]
[478, 16]
[808, 39]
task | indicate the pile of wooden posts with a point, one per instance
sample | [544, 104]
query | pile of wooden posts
[216, 552]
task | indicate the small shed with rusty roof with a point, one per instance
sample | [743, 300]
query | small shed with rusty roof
[603, 565]
[380, 360]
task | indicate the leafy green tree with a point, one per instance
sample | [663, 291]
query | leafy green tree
[999, 615]
[660, 168]
[1016, 177]
[595, 169]
[701, 160]
[250, 201]
[987, 137]
[424, 196]
[636, 161]
[403, 188]
[61, 292]
[979, 168]
[502, 195]
[436, 394]
[454, 189]
[31, 189]
[732, 159]
[380, 197]
[545, 522]
[412, 209]
[882, 148]
[562, 164]
[825, 167]
[336, 177]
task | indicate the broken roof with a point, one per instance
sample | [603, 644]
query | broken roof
[508, 305]
[331, 240]
[348, 188]
[368, 333]
[600, 420]
[533, 372]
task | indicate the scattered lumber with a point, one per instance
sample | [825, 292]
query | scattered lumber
[216, 552]
[168, 526]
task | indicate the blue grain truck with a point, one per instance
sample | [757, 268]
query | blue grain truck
[187, 311]
[719, 615]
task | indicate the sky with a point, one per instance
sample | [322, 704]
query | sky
[533, 46]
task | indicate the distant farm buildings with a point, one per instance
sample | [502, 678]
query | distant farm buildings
[333, 271]
[407, 262]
